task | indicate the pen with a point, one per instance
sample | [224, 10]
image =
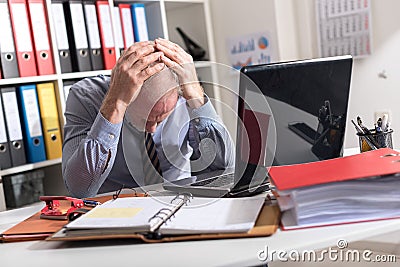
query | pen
[379, 122]
[365, 129]
[362, 130]
[384, 122]
[91, 203]
[358, 129]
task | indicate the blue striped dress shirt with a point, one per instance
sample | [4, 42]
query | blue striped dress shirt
[99, 156]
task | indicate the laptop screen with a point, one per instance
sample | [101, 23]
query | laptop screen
[301, 106]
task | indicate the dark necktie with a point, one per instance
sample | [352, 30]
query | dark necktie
[151, 164]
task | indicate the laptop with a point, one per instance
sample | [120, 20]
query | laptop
[288, 113]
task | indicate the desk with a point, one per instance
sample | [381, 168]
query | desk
[228, 252]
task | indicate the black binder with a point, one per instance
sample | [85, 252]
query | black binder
[60, 27]
[5, 157]
[9, 66]
[14, 129]
[8, 59]
[79, 46]
[93, 34]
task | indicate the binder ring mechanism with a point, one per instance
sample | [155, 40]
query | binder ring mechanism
[165, 214]
[184, 197]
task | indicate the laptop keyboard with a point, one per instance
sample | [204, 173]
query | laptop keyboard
[217, 181]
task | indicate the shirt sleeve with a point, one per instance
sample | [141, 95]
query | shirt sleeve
[212, 144]
[89, 147]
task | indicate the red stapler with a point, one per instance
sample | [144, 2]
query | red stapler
[60, 207]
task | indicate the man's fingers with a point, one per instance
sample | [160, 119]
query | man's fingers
[173, 51]
[151, 70]
[169, 63]
[135, 52]
[168, 44]
[148, 61]
[139, 45]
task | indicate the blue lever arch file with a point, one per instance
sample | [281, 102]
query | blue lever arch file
[33, 135]
[139, 22]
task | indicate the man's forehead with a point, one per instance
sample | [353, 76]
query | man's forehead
[166, 102]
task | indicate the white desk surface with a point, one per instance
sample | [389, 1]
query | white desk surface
[228, 252]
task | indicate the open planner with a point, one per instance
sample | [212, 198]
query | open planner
[183, 216]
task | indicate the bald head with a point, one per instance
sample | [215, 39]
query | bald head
[155, 101]
[158, 85]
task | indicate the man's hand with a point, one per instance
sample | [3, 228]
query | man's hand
[136, 64]
[181, 62]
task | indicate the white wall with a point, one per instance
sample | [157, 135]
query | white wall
[233, 18]
[293, 24]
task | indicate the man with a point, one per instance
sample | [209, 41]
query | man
[103, 148]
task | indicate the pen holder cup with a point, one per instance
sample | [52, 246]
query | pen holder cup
[375, 140]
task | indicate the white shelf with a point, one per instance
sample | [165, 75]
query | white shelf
[29, 167]
[54, 77]
[34, 79]
[78, 75]
[50, 78]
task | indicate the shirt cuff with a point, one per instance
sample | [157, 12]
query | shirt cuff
[105, 132]
[203, 115]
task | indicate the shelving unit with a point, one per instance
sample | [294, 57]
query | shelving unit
[163, 16]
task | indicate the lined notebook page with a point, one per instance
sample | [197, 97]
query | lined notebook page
[208, 215]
